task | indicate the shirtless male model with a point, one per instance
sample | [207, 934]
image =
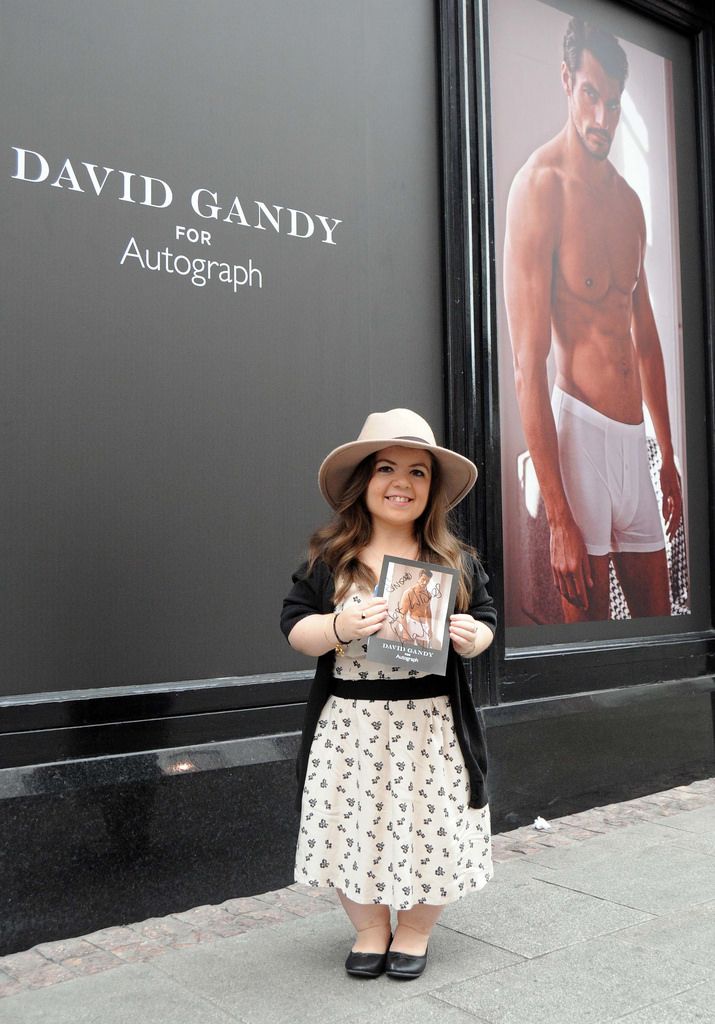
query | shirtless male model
[573, 274]
[416, 612]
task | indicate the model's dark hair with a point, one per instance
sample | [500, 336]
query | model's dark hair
[340, 541]
[582, 35]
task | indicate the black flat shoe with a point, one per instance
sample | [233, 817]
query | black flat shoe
[366, 965]
[404, 966]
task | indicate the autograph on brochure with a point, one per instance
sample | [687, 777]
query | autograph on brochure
[420, 598]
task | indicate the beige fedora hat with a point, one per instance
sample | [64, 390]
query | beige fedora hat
[382, 430]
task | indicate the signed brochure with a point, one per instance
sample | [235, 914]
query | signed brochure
[420, 598]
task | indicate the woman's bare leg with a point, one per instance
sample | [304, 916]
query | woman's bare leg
[414, 927]
[371, 921]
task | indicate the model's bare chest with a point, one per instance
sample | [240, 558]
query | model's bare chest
[600, 243]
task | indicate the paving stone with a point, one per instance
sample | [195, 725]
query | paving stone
[506, 854]
[213, 919]
[311, 907]
[418, 1010]
[138, 993]
[59, 951]
[108, 938]
[9, 986]
[50, 974]
[329, 893]
[577, 834]
[702, 819]
[684, 793]
[620, 820]
[659, 807]
[230, 925]
[658, 879]
[676, 807]
[269, 915]
[531, 917]
[702, 786]
[294, 902]
[194, 938]
[241, 905]
[277, 895]
[577, 820]
[698, 842]
[584, 984]
[689, 935]
[136, 952]
[93, 963]
[696, 1006]
[525, 845]
[19, 964]
[161, 929]
[501, 843]
[607, 825]
[552, 840]
[645, 802]
[198, 914]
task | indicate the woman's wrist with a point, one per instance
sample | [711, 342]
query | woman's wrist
[338, 631]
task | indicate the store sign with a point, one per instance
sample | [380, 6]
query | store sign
[146, 190]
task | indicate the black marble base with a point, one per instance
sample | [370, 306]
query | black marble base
[105, 841]
[555, 757]
[90, 858]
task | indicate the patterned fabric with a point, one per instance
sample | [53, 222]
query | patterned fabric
[385, 813]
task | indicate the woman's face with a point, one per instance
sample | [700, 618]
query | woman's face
[399, 487]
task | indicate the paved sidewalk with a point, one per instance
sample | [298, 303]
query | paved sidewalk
[607, 916]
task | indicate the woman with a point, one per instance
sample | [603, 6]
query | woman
[392, 764]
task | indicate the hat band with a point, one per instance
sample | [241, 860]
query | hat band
[408, 437]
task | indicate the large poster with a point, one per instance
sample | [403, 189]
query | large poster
[594, 447]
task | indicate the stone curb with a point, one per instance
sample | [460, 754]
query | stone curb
[50, 963]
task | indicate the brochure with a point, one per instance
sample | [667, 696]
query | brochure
[420, 597]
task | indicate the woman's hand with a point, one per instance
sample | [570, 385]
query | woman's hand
[316, 634]
[468, 636]
[356, 621]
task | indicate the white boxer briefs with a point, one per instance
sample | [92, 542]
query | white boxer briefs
[604, 468]
[419, 630]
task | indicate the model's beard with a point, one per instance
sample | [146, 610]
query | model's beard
[599, 154]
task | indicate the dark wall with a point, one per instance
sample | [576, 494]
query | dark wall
[161, 439]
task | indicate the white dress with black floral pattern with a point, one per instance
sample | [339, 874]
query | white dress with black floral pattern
[385, 811]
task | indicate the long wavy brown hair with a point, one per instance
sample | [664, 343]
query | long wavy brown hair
[340, 541]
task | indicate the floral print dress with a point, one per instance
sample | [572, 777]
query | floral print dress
[385, 813]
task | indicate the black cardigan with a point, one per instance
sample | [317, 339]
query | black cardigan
[313, 594]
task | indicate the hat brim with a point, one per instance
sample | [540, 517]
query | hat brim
[459, 474]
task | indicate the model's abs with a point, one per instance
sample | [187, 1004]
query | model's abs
[595, 358]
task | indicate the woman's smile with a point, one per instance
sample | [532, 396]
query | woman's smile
[400, 484]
